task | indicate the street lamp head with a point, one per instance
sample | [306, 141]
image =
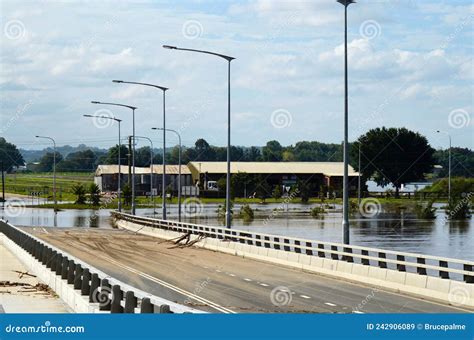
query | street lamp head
[37, 136]
[438, 131]
[117, 81]
[95, 102]
[88, 115]
[169, 47]
[346, 2]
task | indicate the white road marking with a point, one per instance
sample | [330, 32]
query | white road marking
[305, 296]
[219, 271]
[170, 286]
[248, 280]
[231, 274]
[330, 304]
[357, 312]
[264, 285]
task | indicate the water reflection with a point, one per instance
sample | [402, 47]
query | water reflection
[391, 229]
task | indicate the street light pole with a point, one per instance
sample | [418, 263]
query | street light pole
[449, 165]
[345, 206]
[358, 191]
[179, 169]
[133, 108]
[164, 89]
[54, 169]
[229, 59]
[119, 186]
[151, 172]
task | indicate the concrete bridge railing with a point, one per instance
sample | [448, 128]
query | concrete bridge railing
[423, 275]
[84, 288]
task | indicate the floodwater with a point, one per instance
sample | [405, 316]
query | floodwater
[387, 229]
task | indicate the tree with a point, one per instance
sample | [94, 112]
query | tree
[46, 162]
[462, 162]
[393, 155]
[80, 192]
[262, 188]
[252, 154]
[272, 152]
[204, 151]
[277, 192]
[94, 194]
[305, 190]
[127, 195]
[112, 155]
[78, 161]
[9, 155]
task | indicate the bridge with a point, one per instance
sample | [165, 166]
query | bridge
[152, 265]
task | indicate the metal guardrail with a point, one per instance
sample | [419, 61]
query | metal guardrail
[445, 268]
[112, 295]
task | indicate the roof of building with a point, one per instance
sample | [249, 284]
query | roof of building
[157, 169]
[326, 168]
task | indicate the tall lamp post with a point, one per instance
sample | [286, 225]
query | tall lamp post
[133, 108]
[119, 186]
[229, 59]
[359, 184]
[151, 171]
[345, 196]
[179, 169]
[54, 168]
[449, 164]
[163, 89]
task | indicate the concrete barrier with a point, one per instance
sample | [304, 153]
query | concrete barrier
[426, 287]
[70, 278]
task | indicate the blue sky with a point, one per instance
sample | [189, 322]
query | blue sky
[410, 64]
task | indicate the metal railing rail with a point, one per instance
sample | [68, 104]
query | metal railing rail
[111, 294]
[446, 268]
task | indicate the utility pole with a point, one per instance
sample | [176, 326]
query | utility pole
[129, 159]
[3, 184]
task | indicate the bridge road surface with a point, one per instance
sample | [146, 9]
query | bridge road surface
[222, 283]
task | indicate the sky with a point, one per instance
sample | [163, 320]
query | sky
[410, 65]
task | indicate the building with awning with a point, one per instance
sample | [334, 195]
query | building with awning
[106, 177]
[329, 174]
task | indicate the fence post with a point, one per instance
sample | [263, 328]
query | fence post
[64, 268]
[94, 288]
[401, 267]
[421, 270]
[130, 302]
[382, 264]
[146, 306]
[85, 288]
[117, 297]
[70, 272]
[468, 278]
[165, 309]
[443, 274]
[78, 277]
[104, 299]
